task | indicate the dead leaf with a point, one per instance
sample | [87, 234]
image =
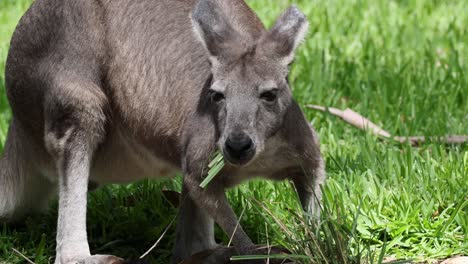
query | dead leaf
[456, 260]
[353, 118]
[359, 121]
[389, 259]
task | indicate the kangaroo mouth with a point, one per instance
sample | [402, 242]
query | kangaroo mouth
[240, 159]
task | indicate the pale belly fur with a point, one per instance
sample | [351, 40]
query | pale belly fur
[123, 160]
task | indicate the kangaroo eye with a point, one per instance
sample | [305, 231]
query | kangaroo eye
[217, 97]
[269, 96]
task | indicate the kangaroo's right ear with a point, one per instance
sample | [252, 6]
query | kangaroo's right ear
[213, 29]
[283, 38]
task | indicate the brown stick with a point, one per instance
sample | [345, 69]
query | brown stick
[357, 120]
[452, 139]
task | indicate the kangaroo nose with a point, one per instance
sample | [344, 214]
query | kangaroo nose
[238, 145]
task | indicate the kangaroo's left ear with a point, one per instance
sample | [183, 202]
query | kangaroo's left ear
[282, 39]
[214, 30]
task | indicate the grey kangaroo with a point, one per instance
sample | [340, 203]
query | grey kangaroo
[113, 91]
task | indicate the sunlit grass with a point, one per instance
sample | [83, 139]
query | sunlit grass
[403, 64]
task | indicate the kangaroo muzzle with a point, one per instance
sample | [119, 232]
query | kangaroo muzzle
[239, 148]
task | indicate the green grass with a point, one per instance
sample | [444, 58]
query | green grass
[401, 63]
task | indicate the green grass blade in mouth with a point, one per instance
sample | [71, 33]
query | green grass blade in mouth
[217, 157]
[215, 166]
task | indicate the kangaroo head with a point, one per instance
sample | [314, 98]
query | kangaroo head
[249, 91]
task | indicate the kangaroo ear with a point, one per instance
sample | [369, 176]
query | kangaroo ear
[282, 39]
[213, 28]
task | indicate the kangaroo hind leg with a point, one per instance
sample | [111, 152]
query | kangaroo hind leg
[75, 124]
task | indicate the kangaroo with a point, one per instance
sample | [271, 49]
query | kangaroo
[113, 91]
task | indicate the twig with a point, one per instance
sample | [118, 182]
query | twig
[452, 139]
[159, 239]
[359, 121]
[237, 225]
[23, 256]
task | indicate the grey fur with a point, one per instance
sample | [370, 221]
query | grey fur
[114, 90]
